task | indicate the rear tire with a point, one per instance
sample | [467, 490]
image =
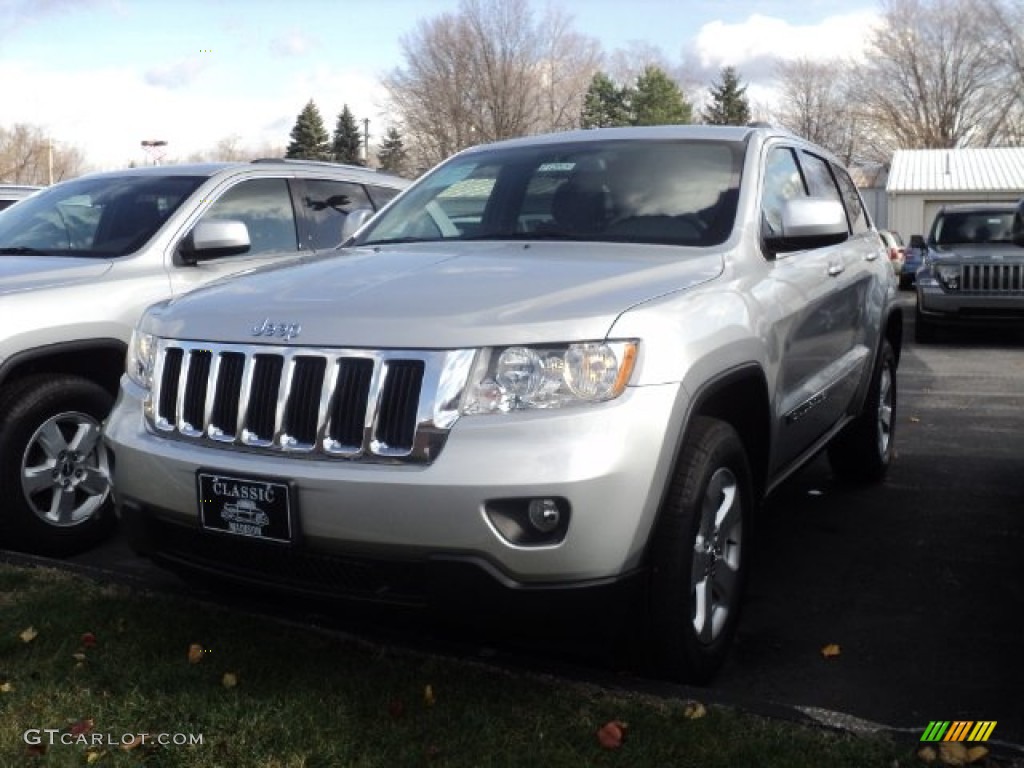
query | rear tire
[863, 451]
[700, 552]
[54, 470]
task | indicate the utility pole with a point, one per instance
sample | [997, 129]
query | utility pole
[366, 141]
[155, 149]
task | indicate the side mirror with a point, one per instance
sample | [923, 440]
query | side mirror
[917, 241]
[354, 220]
[212, 238]
[809, 222]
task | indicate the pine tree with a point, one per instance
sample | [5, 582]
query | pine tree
[347, 144]
[728, 105]
[657, 100]
[309, 137]
[605, 104]
[392, 155]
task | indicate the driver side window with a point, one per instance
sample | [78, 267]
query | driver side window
[782, 182]
[265, 207]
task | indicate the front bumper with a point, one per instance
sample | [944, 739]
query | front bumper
[376, 531]
[956, 307]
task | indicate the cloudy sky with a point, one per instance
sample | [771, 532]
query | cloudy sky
[104, 75]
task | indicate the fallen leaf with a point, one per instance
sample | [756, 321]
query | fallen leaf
[974, 754]
[428, 695]
[195, 653]
[396, 708]
[93, 756]
[135, 743]
[952, 753]
[230, 680]
[6, 686]
[694, 710]
[82, 726]
[914, 420]
[927, 755]
[611, 734]
[88, 640]
[28, 634]
[78, 656]
[830, 650]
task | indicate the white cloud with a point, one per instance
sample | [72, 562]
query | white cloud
[293, 43]
[177, 75]
[763, 38]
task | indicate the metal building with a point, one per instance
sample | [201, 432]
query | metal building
[921, 181]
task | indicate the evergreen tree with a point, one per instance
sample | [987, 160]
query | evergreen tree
[347, 144]
[605, 104]
[309, 137]
[657, 100]
[392, 155]
[728, 105]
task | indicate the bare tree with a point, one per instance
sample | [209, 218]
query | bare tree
[1004, 17]
[934, 76]
[485, 73]
[29, 156]
[814, 102]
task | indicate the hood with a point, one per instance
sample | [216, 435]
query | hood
[965, 253]
[25, 273]
[440, 295]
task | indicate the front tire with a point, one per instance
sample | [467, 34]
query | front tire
[54, 469]
[863, 451]
[700, 554]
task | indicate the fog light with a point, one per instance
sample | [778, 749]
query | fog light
[544, 515]
[536, 522]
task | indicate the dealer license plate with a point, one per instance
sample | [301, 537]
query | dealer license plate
[245, 506]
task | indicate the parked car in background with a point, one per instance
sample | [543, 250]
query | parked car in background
[556, 376]
[12, 193]
[79, 261]
[913, 258]
[894, 248]
[973, 270]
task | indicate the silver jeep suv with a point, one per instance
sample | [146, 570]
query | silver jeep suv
[79, 262]
[559, 370]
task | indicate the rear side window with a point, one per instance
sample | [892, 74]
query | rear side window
[326, 204]
[855, 212]
[381, 196]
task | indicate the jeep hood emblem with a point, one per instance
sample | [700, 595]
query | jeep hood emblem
[286, 331]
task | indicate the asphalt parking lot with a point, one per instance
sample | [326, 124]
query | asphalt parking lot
[919, 582]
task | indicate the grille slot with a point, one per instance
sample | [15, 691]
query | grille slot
[398, 401]
[349, 404]
[359, 405]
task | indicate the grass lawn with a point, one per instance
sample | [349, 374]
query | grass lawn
[94, 674]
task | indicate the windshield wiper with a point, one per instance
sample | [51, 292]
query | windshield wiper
[21, 250]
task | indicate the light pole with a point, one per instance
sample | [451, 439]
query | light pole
[155, 149]
[366, 141]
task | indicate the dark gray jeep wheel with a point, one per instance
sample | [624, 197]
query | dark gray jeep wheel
[700, 552]
[54, 471]
[863, 451]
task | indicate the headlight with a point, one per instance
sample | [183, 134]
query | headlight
[140, 358]
[949, 276]
[551, 376]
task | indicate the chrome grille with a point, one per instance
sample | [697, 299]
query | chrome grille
[992, 278]
[350, 404]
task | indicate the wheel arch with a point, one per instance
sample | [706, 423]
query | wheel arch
[98, 360]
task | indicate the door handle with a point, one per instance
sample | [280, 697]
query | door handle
[835, 268]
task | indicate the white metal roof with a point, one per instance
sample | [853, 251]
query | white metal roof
[995, 169]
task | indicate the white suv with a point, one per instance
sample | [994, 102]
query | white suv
[79, 261]
[558, 371]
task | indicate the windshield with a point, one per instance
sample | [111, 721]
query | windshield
[958, 227]
[670, 192]
[101, 216]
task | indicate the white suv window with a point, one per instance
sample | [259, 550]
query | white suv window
[265, 207]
